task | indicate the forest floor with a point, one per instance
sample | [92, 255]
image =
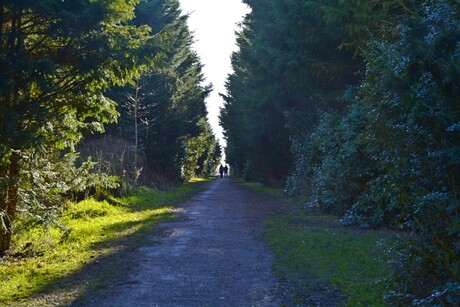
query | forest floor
[231, 244]
[212, 255]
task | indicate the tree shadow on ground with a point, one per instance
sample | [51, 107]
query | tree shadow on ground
[110, 265]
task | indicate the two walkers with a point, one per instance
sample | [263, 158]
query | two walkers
[223, 171]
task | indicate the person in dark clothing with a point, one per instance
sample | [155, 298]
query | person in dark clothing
[221, 171]
[225, 171]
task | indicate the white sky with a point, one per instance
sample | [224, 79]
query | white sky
[214, 23]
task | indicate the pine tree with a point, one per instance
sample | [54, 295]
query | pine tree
[57, 59]
[171, 94]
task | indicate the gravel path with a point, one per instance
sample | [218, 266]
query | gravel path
[212, 256]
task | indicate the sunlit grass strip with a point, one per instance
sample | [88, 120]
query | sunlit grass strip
[46, 256]
[312, 252]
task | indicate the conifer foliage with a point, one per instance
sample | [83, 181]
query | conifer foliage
[365, 94]
[168, 99]
[66, 70]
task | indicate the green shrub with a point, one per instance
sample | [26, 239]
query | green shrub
[412, 133]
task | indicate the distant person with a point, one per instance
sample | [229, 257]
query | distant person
[225, 171]
[221, 171]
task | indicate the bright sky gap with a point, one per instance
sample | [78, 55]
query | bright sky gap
[214, 23]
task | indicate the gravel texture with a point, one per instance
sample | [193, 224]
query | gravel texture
[212, 256]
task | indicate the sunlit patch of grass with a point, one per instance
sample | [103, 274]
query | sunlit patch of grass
[315, 250]
[43, 256]
[196, 179]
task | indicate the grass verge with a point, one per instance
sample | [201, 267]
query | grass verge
[321, 263]
[53, 266]
[259, 187]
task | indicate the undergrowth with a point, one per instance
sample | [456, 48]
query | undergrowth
[320, 262]
[88, 231]
[315, 254]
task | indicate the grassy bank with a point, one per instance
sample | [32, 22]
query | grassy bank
[320, 262]
[54, 266]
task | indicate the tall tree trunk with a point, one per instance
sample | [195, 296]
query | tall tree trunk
[10, 170]
[9, 203]
[136, 128]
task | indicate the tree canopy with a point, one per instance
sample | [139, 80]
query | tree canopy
[353, 106]
[170, 95]
[67, 68]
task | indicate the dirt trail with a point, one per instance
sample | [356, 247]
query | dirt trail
[212, 256]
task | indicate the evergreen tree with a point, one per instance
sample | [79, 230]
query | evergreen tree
[202, 153]
[412, 96]
[57, 59]
[179, 96]
[295, 59]
[170, 94]
[289, 60]
[370, 94]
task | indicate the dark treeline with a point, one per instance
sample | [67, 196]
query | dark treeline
[355, 107]
[72, 70]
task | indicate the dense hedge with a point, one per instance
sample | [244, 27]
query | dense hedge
[392, 158]
[380, 149]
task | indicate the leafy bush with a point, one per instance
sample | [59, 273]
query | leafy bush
[392, 158]
[49, 179]
[412, 90]
[332, 167]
